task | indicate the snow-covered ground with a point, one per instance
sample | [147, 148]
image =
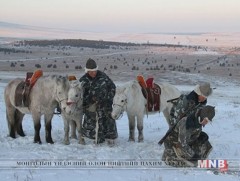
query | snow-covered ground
[60, 160]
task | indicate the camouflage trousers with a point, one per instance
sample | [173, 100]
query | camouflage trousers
[101, 124]
[174, 156]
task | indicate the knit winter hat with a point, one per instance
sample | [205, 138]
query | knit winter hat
[207, 111]
[203, 89]
[91, 65]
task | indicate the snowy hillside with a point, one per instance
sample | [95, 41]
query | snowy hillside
[223, 134]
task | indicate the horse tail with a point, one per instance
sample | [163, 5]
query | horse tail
[10, 115]
[14, 120]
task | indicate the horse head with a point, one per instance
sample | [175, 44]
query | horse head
[75, 97]
[119, 103]
[62, 88]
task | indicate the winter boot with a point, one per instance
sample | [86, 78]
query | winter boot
[206, 149]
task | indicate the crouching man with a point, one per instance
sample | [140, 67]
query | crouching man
[187, 143]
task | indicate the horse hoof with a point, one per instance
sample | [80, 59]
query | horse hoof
[66, 142]
[20, 132]
[131, 140]
[22, 135]
[50, 141]
[140, 139]
[82, 142]
[13, 136]
[111, 143]
[73, 136]
[39, 142]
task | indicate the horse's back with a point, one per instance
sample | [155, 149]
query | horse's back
[168, 92]
[135, 93]
[45, 92]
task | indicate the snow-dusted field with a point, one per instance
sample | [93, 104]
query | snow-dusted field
[223, 132]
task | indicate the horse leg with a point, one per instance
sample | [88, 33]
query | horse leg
[80, 133]
[10, 114]
[131, 121]
[48, 127]
[19, 117]
[66, 130]
[140, 128]
[73, 129]
[37, 127]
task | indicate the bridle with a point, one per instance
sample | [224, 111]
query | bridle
[122, 107]
[59, 100]
[76, 103]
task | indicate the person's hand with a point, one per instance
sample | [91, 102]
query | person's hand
[195, 157]
[94, 99]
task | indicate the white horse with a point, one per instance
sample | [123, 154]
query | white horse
[73, 113]
[129, 98]
[47, 93]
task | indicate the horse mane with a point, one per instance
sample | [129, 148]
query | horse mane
[59, 79]
[131, 84]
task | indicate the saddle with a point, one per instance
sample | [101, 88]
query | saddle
[151, 92]
[23, 89]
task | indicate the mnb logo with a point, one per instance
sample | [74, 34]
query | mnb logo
[221, 164]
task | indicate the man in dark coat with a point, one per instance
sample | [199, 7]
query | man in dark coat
[187, 143]
[99, 91]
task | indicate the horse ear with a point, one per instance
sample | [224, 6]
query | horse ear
[59, 79]
[134, 86]
[80, 85]
[74, 83]
[124, 89]
[118, 89]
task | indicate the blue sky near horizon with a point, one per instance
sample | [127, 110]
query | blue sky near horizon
[126, 16]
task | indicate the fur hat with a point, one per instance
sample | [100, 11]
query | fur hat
[207, 111]
[203, 89]
[91, 65]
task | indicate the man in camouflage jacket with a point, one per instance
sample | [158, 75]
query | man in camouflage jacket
[187, 143]
[99, 91]
[185, 104]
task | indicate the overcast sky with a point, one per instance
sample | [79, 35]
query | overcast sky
[126, 16]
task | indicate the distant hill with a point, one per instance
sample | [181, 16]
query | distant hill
[18, 31]
[13, 30]
[18, 26]
[8, 25]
